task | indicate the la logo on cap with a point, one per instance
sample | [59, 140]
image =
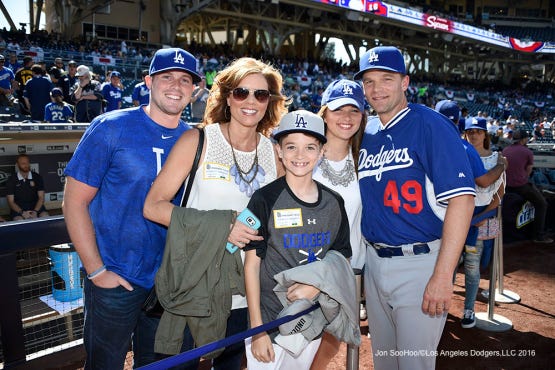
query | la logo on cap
[347, 90]
[178, 58]
[373, 57]
[300, 121]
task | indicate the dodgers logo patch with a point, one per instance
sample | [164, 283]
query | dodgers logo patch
[300, 122]
[373, 57]
[347, 90]
[178, 58]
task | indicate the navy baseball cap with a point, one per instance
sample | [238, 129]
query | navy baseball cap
[174, 58]
[386, 58]
[301, 121]
[56, 92]
[449, 109]
[115, 74]
[343, 92]
[475, 122]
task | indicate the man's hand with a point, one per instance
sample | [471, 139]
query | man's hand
[110, 279]
[437, 295]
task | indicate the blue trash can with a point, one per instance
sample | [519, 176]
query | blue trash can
[67, 283]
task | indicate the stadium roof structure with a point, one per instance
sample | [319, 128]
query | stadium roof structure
[303, 29]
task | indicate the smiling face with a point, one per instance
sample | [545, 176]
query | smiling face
[250, 111]
[299, 153]
[170, 92]
[385, 92]
[342, 123]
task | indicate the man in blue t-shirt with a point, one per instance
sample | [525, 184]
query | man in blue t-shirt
[112, 91]
[107, 180]
[141, 93]
[7, 83]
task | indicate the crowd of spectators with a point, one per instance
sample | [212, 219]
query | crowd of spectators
[529, 103]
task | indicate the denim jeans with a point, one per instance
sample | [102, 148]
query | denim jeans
[113, 317]
[472, 257]
[232, 356]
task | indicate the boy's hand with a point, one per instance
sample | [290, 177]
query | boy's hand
[262, 348]
[300, 291]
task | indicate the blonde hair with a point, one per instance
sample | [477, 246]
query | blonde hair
[229, 78]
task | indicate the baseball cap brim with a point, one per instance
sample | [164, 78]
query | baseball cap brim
[338, 103]
[358, 75]
[194, 75]
[279, 134]
[475, 127]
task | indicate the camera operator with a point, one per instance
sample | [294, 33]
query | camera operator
[86, 95]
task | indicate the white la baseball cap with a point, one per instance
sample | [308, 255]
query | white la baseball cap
[301, 121]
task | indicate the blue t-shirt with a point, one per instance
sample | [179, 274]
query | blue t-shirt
[120, 154]
[58, 113]
[141, 93]
[112, 95]
[6, 78]
[37, 90]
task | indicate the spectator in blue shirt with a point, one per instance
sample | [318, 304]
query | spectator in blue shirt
[58, 111]
[112, 92]
[7, 83]
[141, 93]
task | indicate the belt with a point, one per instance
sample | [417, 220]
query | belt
[409, 250]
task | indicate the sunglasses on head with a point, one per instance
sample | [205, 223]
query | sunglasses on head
[241, 93]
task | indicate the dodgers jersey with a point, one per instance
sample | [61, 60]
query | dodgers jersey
[112, 94]
[408, 171]
[295, 233]
[120, 154]
[141, 93]
[58, 113]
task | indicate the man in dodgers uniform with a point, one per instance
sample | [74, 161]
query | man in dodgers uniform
[417, 193]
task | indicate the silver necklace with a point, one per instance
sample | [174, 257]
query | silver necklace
[342, 177]
[249, 175]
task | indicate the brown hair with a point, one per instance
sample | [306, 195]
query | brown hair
[356, 139]
[229, 78]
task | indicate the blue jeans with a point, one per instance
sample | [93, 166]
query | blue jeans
[472, 257]
[113, 317]
[232, 356]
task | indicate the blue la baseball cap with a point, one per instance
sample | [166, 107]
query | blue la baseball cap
[343, 92]
[115, 74]
[475, 122]
[301, 121]
[174, 58]
[449, 109]
[387, 58]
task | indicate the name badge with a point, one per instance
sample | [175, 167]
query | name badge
[216, 171]
[292, 217]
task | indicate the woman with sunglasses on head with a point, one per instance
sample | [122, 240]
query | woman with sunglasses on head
[244, 105]
[345, 121]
